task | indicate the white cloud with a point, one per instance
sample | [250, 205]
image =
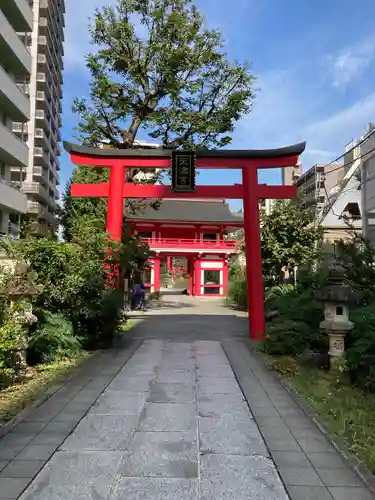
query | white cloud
[350, 63]
[289, 110]
[341, 127]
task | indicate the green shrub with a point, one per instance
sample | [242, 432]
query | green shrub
[6, 373]
[296, 327]
[73, 282]
[274, 293]
[97, 321]
[154, 295]
[53, 340]
[237, 291]
[360, 344]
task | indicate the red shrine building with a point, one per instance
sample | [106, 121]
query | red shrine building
[194, 231]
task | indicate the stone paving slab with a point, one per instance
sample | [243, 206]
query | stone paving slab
[102, 432]
[164, 417]
[81, 476]
[155, 489]
[240, 478]
[161, 454]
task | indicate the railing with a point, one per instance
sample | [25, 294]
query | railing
[11, 184]
[188, 243]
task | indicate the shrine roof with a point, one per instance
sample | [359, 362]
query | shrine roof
[212, 211]
[295, 149]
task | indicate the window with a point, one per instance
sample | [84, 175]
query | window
[211, 282]
[210, 237]
[146, 276]
[2, 170]
[322, 199]
[145, 234]
[352, 210]
[14, 218]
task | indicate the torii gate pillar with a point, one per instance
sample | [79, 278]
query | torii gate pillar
[255, 294]
[115, 201]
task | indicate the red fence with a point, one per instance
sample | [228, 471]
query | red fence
[191, 243]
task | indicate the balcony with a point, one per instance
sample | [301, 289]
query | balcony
[24, 88]
[39, 229]
[41, 77]
[41, 156]
[20, 128]
[36, 189]
[15, 103]
[42, 138]
[12, 150]
[35, 208]
[42, 59]
[11, 198]
[43, 120]
[191, 245]
[42, 41]
[19, 14]
[13, 53]
[40, 174]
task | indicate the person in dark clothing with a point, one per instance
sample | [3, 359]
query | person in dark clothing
[138, 295]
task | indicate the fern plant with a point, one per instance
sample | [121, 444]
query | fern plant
[53, 341]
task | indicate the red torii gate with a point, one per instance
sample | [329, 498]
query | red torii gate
[249, 161]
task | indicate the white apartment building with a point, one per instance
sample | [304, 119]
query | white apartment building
[146, 175]
[364, 165]
[15, 64]
[40, 180]
[140, 175]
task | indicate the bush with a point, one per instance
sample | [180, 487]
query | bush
[360, 344]
[73, 282]
[96, 326]
[237, 292]
[53, 340]
[295, 329]
[154, 295]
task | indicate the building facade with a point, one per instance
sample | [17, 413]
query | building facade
[290, 175]
[364, 165]
[316, 184]
[15, 64]
[40, 180]
[193, 235]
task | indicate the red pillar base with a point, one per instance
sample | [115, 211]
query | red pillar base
[157, 274]
[191, 276]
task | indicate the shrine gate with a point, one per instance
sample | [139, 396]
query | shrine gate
[250, 191]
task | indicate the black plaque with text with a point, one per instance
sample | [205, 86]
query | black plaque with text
[183, 171]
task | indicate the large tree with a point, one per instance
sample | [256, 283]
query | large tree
[158, 68]
[289, 238]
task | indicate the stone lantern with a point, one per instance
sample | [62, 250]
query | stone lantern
[336, 296]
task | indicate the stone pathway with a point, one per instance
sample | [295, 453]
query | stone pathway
[172, 417]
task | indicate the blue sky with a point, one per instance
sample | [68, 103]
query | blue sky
[315, 68]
